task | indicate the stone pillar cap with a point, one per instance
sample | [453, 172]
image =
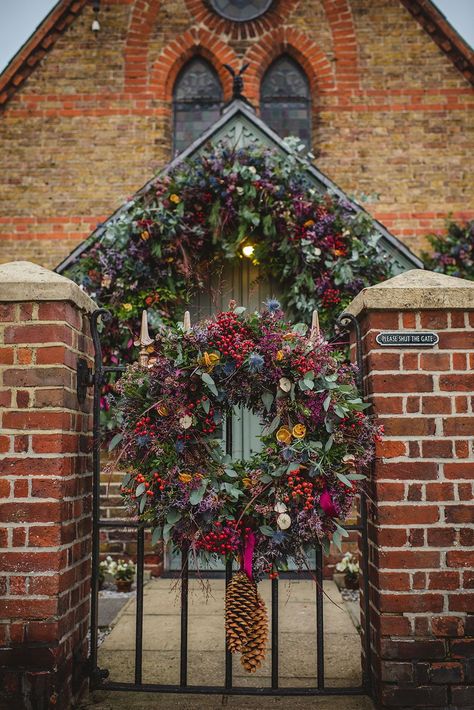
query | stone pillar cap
[415, 290]
[25, 281]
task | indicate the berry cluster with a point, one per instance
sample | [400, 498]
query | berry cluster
[230, 337]
[223, 539]
[303, 364]
[300, 488]
[331, 297]
[144, 427]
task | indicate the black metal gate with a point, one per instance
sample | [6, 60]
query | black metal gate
[99, 676]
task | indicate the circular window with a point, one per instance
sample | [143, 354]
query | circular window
[240, 10]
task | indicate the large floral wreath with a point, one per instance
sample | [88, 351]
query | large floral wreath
[316, 440]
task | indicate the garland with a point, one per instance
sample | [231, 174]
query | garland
[167, 243]
[454, 251]
[316, 443]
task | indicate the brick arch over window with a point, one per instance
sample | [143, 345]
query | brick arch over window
[276, 15]
[142, 21]
[296, 44]
[178, 52]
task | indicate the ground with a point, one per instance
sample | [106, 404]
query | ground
[161, 643]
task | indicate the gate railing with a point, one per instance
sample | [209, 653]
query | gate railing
[99, 676]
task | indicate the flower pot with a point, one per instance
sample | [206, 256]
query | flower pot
[339, 579]
[123, 585]
[351, 582]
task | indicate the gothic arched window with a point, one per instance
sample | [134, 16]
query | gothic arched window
[285, 99]
[197, 100]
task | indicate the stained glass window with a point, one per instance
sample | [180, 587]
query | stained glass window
[285, 100]
[240, 10]
[197, 100]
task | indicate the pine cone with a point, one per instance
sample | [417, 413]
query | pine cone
[253, 653]
[240, 602]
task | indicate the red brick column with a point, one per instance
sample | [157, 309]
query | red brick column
[421, 512]
[45, 489]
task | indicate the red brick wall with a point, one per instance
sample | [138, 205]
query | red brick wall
[421, 512]
[92, 122]
[45, 509]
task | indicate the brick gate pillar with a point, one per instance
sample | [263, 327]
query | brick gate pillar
[421, 512]
[45, 489]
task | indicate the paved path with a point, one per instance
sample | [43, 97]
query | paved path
[161, 643]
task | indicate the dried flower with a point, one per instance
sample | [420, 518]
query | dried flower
[299, 431]
[283, 435]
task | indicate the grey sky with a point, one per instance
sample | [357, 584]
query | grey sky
[19, 19]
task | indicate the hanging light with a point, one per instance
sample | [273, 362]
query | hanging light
[95, 27]
[248, 250]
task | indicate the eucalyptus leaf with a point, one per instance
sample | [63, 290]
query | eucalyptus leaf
[326, 403]
[197, 495]
[266, 530]
[209, 382]
[115, 441]
[231, 473]
[329, 443]
[142, 503]
[173, 516]
[140, 489]
[157, 534]
[166, 531]
[271, 427]
[206, 405]
[344, 479]
[267, 399]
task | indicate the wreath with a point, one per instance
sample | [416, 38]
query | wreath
[316, 442]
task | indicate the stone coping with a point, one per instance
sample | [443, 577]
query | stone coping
[414, 290]
[25, 281]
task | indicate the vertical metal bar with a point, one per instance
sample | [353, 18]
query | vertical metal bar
[274, 633]
[96, 444]
[228, 654]
[367, 673]
[228, 566]
[139, 605]
[183, 673]
[319, 618]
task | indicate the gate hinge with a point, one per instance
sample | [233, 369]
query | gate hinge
[85, 379]
[97, 675]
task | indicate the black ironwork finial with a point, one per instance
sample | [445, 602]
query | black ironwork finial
[238, 82]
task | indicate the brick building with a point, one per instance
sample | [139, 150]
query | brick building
[381, 90]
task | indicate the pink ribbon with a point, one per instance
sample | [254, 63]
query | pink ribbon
[247, 557]
[327, 505]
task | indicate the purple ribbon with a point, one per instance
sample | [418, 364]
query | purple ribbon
[327, 505]
[247, 557]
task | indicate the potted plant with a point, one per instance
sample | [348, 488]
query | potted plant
[124, 574]
[348, 568]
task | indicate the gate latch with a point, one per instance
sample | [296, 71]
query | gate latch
[85, 379]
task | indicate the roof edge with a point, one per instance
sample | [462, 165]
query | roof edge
[238, 106]
[37, 46]
[444, 35]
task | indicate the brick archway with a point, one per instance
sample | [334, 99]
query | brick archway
[180, 50]
[299, 46]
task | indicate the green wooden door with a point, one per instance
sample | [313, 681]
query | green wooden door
[243, 284]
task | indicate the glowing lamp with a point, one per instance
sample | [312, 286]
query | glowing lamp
[248, 250]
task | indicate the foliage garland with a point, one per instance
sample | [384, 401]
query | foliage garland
[454, 251]
[164, 246]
